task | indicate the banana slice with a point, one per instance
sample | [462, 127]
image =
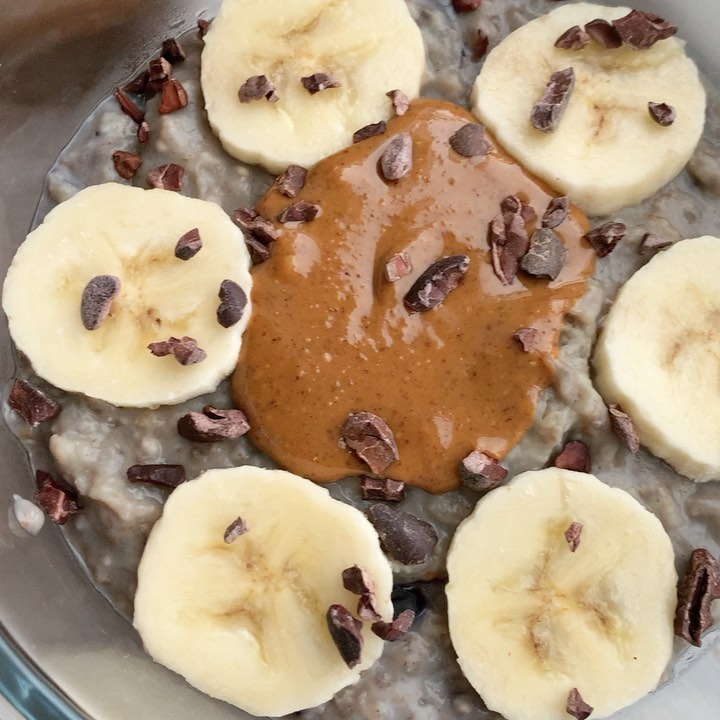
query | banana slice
[658, 356]
[245, 620]
[607, 152]
[531, 619]
[369, 47]
[128, 235]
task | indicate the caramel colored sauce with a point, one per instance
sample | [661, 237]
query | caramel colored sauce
[329, 334]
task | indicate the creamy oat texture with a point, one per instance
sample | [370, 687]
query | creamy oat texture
[93, 443]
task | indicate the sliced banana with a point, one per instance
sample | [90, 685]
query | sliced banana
[607, 152]
[531, 619]
[129, 234]
[370, 47]
[658, 356]
[245, 621]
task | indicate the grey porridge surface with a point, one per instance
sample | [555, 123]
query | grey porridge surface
[92, 443]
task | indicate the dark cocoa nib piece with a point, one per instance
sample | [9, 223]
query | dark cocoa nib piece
[319, 81]
[508, 238]
[167, 177]
[234, 530]
[172, 51]
[185, 350]
[469, 141]
[128, 106]
[548, 111]
[357, 581]
[577, 707]
[574, 38]
[31, 403]
[138, 83]
[370, 438]
[545, 256]
[159, 71]
[126, 163]
[696, 591]
[574, 456]
[557, 211]
[143, 132]
[164, 475]
[400, 101]
[96, 300]
[482, 472]
[662, 113]
[573, 535]
[188, 245]
[259, 252]
[398, 628]
[252, 223]
[403, 536]
[292, 181]
[301, 211]
[366, 609]
[436, 283]
[482, 42]
[382, 489]
[213, 425]
[203, 27]
[346, 632]
[624, 427]
[398, 266]
[174, 97]
[57, 498]
[369, 131]
[603, 33]
[463, 6]
[651, 242]
[396, 160]
[643, 29]
[604, 238]
[233, 301]
[257, 87]
[527, 337]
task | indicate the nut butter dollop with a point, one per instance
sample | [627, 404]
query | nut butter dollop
[330, 335]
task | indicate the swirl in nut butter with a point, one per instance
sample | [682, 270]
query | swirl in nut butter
[330, 334]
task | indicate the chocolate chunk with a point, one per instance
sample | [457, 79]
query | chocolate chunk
[292, 181]
[527, 337]
[128, 106]
[469, 141]
[557, 211]
[643, 29]
[163, 475]
[697, 589]
[138, 83]
[604, 238]
[651, 242]
[346, 632]
[126, 163]
[463, 6]
[357, 581]
[403, 536]
[398, 266]
[396, 160]
[624, 428]
[57, 498]
[370, 438]
[319, 81]
[603, 33]
[577, 707]
[213, 425]
[234, 530]
[185, 350]
[167, 177]
[159, 71]
[233, 301]
[482, 472]
[254, 224]
[31, 403]
[573, 535]
[400, 101]
[369, 131]
[574, 456]
[188, 245]
[545, 256]
[436, 283]
[174, 97]
[96, 300]
[396, 629]
[508, 240]
[172, 51]
[548, 111]
[301, 211]
[259, 252]
[382, 489]
[662, 113]
[482, 42]
[574, 38]
[143, 132]
[257, 87]
[203, 27]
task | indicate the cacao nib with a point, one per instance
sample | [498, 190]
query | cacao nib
[126, 163]
[357, 581]
[234, 530]
[470, 141]
[369, 131]
[138, 83]
[643, 29]
[556, 212]
[143, 132]
[185, 350]
[400, 101]
[573, 535]
[436, 283]
[624, 428]
[160, 474]
[301, 211]
[382, 489]
[370, 438]
[697, 589]
[346, 633]
[257, 87]
[172, 51]
[319, 81]
[167, 177]
[292, 181]
[548, 111]
[398, 266]
[603, 33]
[213, 425]
[574, 38]
[482, 472]
[174, 97]
[575, 455]
[128, 106]
[233, 301]
[189, 245]
[403, 536]
[652, 242]
[97, 298]
[577, 707]
[603, 239]
[545, 256]
[662, 113]
[396, 160]
[398, 628]
[31, 403]
[527, 337]
[255, 225]
[57, 498]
